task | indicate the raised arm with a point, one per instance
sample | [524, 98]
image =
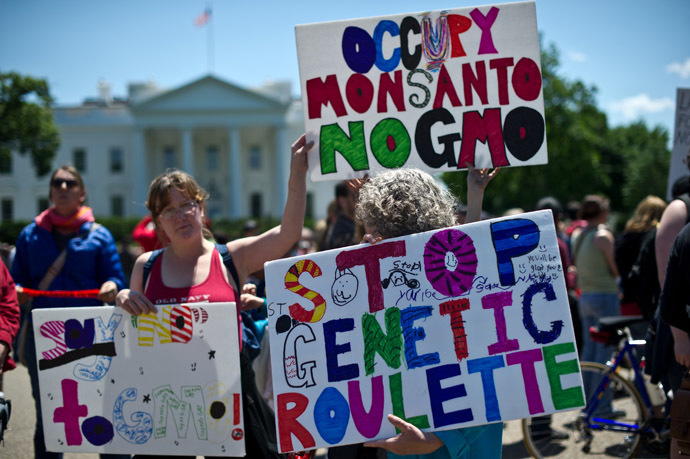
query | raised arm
[477, 179]
[252, 252]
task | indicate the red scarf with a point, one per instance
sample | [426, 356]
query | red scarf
[48, 219]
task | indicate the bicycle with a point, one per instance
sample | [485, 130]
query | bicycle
[628, 424]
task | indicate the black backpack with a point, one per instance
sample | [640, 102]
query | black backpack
[643, 274]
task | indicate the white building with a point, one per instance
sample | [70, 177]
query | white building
[234, 141]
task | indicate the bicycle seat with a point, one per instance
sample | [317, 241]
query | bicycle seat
[618, 322]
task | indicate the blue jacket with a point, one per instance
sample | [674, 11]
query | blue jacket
[92, 259]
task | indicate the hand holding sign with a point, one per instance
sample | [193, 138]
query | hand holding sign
[411, 440]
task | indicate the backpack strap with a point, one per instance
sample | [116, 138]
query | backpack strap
[221, 248]
[149, 265]
[227, 261]
[580, 240]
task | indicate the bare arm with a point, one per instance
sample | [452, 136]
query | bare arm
[477, 179]
[681, 346]
[251, 253]
[672, 221]
[132, 299]
[411, 440]
[603, 240]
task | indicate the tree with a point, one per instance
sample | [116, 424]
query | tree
[585, 156]
[26, 121]
[645, 157]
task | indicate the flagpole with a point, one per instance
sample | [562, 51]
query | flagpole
[210, 40]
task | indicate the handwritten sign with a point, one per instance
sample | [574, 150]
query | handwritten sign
[167, 383]
[431, 90]
[681, 139]
[446, 329]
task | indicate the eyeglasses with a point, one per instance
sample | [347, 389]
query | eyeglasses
[57, 183]
[187, 208]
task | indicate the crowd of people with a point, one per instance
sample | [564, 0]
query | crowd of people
[643, 270]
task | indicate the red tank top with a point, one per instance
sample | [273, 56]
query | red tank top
[215, 289]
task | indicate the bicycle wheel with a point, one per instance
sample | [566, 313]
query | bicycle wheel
[567, 434]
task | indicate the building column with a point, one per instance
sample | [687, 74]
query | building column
[140, 173]
[235, 173]
[283, 159]
[187, 151]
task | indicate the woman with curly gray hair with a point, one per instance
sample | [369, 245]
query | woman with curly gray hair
[407, 201]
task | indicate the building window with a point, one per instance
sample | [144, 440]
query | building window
[310, 206]
[6, 162]
[255, 158]
[7, 209]
[168, 158]
[117, 206]
[79, 158]
[212, 158]
[42, 204]
[116, 160]
[255, 204]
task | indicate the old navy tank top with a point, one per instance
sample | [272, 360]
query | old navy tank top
[215, 289]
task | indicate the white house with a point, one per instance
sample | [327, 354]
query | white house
[235, 141]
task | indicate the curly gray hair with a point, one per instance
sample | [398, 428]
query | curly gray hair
[404, 201]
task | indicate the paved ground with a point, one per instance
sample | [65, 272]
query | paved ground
[19, 440]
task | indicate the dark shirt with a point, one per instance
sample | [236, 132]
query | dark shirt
[343, 234]
[626, 252]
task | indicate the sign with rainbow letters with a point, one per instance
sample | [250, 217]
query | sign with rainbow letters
[433, 90]
[445, 329]
[165, 383]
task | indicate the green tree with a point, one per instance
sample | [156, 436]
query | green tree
[26, 121]
[581, 161]
[645, 159]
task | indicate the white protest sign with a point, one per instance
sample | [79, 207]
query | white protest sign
[681, 139]
[446, 329]
[431, 90]
[167, 383]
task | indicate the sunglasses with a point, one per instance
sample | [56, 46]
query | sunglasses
[58, 182]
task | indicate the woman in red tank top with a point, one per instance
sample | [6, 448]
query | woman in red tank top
[190, 266]
[190, 269]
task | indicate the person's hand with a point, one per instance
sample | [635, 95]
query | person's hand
[299, 163]
[371, 239]
[4, 350]
[356, 184]
[249, 288]
[249, 302]
[411, 440]
[107, 292]
[134, 302]
[22, 297]
[477, 179]
[681, 349]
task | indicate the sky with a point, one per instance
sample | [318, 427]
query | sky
[636, 53]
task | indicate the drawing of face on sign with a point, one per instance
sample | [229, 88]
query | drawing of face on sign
[398, 278]
[344, 288]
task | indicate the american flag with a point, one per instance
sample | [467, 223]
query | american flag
[203, 18]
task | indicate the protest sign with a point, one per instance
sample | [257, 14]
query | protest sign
[681, 139]
[165, 383]
[451, 328]
[431, 90]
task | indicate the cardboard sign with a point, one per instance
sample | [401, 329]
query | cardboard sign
[431, 90]
[446, 329]
[167, 383]
[681, 139]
